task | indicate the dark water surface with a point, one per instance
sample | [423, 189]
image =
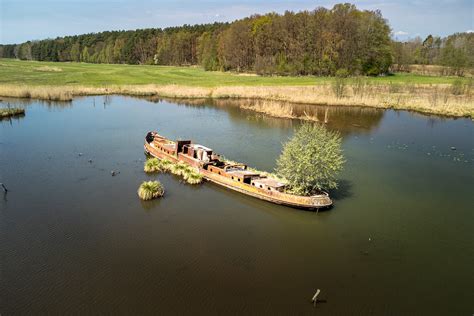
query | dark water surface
[75, 240]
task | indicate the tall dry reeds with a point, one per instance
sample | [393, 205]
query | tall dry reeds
[39, 92]
[416, 97]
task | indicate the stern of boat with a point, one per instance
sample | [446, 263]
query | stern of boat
[321, 200]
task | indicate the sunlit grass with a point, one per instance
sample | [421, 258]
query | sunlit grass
[179, 169]
[99, 75]
[192, 177]
[152, 165]
[149, 190]
[189, 174]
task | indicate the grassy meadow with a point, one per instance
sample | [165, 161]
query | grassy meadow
[53, 73]
[62, 81]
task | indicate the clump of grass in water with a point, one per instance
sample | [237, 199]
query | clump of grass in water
[189, 174]
[179, 169]
[166, 165]
[149, 190]
[153, 165]
[11, 112]
[192, 177]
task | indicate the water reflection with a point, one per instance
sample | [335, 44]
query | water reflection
[13, 118]
[24, 103]
[347, 120]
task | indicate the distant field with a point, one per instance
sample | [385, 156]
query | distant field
[59, 74]
[63, 81]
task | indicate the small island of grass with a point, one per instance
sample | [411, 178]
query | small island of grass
[189, 174]
[9, 112]
[150, 190]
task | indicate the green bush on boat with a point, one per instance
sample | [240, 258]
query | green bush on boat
[149, 190]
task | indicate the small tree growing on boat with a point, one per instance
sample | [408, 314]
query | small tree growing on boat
[311, 160]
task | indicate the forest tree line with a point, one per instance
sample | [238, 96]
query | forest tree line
[319, 42]
[454, 51]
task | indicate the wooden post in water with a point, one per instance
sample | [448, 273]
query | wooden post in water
[315, 297]
[4, 187]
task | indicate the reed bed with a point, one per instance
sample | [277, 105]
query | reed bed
[37, 92]
[444, 99]
[149, 190]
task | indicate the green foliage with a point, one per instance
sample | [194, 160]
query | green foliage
[207, 51]
[311, 160]
[149, 190]
[455, 51]
[317, 42]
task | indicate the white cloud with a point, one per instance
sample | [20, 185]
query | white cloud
[470, 31]
[401, 33]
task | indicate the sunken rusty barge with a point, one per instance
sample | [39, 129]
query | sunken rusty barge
[230, 175]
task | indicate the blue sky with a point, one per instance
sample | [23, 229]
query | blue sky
[22, 20]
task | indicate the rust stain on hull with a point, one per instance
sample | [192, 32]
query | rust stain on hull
[234, 176]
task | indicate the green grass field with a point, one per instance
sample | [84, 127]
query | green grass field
[34, 73]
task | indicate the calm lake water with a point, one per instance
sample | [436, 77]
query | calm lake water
[75, 240]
